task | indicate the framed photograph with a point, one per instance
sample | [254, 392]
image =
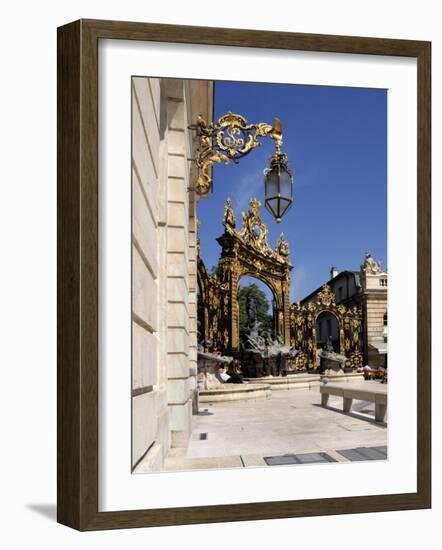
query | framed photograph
[243, 275]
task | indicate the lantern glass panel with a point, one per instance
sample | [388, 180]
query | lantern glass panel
[271, 181]
[285, 184]
[273, 206]
[284, 205]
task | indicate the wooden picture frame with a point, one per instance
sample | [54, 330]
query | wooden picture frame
[78, 274]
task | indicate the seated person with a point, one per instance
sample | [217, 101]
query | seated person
[228, 378]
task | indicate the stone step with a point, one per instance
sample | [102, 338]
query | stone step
[234, 392]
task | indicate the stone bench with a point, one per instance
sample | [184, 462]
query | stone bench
[348, 392]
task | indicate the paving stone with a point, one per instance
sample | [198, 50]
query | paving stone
[253, 461]
[212, 463]
[288, 424]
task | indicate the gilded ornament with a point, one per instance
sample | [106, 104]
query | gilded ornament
[326, 296]
[229, 220]
[231, 138]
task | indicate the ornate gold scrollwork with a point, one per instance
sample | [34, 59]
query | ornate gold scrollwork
[247, 252]
[254, 233]
[231, 138]
[244, 252]
[326, 296]
[303, 326]
[356, 359]
[282, 248]
[301, 361]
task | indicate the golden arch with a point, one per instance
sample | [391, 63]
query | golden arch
[267, 282]
[247, 252]
[339, 320]
[303, 327]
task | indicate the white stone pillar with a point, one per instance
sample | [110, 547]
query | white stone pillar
[178, 389]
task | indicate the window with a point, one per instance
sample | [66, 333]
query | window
[383, 282]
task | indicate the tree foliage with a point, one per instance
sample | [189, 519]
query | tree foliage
[262, 305]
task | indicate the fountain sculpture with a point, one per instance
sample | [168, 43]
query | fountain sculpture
[263, 353]
[208, 365]
[329, 361]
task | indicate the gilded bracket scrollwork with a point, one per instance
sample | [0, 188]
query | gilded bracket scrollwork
[231, 138]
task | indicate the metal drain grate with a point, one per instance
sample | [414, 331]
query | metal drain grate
[365, 453]
[306, 458]
[280, 460]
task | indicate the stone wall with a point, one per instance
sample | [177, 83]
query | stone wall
[344, 286]
[178, 389]
[149, 395]
[164, 264]
[375, 307]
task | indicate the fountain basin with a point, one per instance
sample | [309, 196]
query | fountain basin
[235, 392]
[304, 381]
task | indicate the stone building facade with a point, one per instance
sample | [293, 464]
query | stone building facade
[164, 362]
[367, 289]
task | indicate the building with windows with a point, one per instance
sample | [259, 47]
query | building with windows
[368, 290]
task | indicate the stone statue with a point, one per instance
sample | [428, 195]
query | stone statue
[263, 352]
[370, 265]
[251, 311]
[251, 339]
[329, 345]
[329, 359]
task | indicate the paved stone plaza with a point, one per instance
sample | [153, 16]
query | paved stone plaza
[243, 433]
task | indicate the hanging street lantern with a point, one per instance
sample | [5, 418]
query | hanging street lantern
[278, 183]
[232, 138]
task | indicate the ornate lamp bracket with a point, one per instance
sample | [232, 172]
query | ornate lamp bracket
[231, 138]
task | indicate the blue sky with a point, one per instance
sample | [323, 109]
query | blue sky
[336, 141]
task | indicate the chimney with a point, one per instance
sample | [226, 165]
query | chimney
[333, 272]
